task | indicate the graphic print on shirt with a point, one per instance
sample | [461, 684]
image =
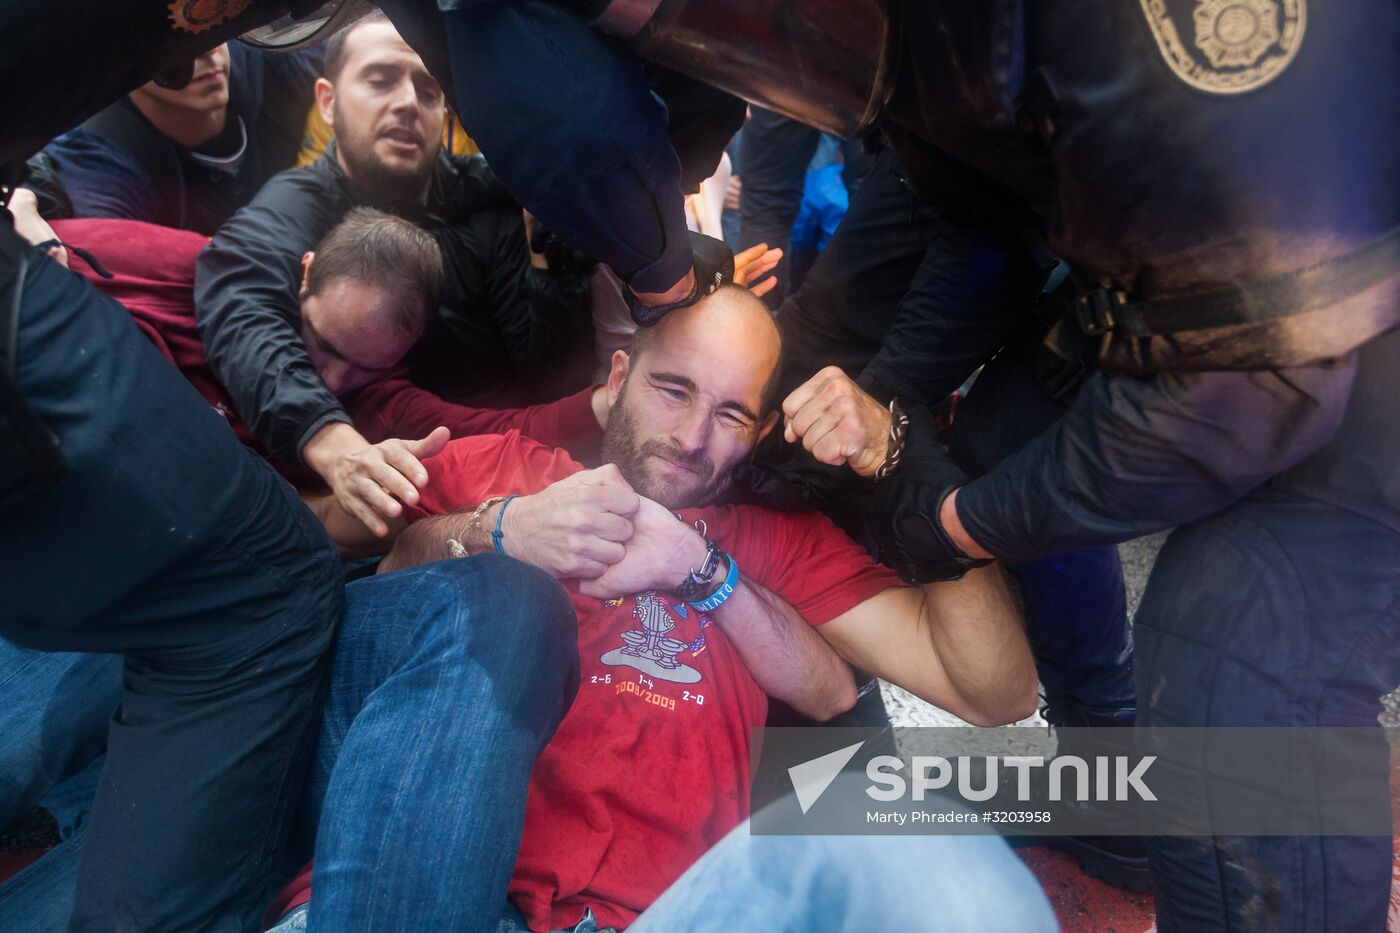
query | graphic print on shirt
[650, 649]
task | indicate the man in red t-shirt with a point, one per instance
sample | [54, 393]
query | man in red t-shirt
[688, 621]
[365, 292]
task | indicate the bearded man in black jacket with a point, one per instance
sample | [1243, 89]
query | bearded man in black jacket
[506, 315]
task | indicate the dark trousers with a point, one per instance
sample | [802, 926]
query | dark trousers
[897, 286]
[776, 153]
[169, 543]
[1279, 611]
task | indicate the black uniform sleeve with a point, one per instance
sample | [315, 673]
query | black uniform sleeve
[1136, 455]
[539, 316]
[571, 126]
[905, 298]
[965, 302]
[246, 284]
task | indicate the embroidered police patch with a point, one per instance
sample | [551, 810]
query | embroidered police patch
[199, 15]
[1227, 46]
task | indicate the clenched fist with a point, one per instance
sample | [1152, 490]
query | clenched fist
[838, 422]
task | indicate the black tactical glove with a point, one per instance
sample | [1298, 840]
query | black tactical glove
[793, 487]
[900, 513]
[714, 266]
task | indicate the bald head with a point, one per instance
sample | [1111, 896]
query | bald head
[738, 326]
[693, 397]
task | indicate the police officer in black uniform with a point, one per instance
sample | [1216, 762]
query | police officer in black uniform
[1222, 178]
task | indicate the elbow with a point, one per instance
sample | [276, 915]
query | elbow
[1004, 710]
[832, 703]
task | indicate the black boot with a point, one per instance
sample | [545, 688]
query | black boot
[1119, 860]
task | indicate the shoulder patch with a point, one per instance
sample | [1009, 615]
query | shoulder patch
[1227, 46]
[199, 15]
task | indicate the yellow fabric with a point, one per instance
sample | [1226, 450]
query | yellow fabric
[317, 134]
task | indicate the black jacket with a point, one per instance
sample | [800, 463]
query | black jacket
[499, 315]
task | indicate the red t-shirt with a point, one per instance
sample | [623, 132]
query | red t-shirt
[153, 278]
[650, 767]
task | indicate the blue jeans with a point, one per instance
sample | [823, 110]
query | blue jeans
[828, 884]
[54, 711]
[1278, 611]
[454, 669]
[446, 682]
[169, 545]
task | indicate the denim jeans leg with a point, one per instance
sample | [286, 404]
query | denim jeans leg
[447, 681]
[39, 899]
[846, 884]
[54, 710]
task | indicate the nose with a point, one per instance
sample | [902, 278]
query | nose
[691, 429]
[335, 375]
[405, 96]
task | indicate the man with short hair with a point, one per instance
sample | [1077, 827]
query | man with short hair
[688, 623]
[187, 157]
[504, 320]
[367, 289]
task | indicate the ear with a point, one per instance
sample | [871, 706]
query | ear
[307, 258]
[768, 424]
[617, 375]
[325, 99]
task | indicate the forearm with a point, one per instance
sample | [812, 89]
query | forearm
[959, 645]
[429, 540]
[351, 538]
[1137, 455]
[249, 318]
[786, 655]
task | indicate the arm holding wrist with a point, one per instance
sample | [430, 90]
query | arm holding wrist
[788, 660]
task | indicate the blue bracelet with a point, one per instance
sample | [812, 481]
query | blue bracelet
[497, 536]
[726, 589]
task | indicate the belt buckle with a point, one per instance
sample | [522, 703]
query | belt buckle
[1094, 311]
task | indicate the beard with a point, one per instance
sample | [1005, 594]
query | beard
[383, 184]
[621, 447]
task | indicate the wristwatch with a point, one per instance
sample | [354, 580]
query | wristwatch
[700, 583]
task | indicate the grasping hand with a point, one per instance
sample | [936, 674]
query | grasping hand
[370, 480]
[575, 528]
[661, 550]
[838, 422]
[24, 207]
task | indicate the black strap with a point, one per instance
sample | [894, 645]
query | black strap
[1101, 310]
[123, 125]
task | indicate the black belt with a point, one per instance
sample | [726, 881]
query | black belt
[1101, 310]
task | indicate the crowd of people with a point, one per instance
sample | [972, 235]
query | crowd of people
[401, 541]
